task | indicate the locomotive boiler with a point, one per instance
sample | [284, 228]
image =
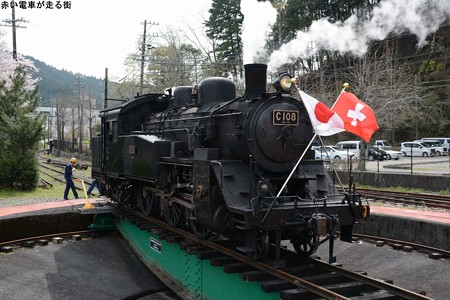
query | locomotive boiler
[204, 157]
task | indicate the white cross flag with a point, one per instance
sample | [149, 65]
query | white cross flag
[348, 114]
[358, 117]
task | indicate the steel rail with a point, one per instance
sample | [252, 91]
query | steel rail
[430, 200]
[404, 243]
[405, 294]
[39, 237]
[280, 274]
[264, 267]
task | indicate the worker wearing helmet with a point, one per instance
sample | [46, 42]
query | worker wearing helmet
[68, 175]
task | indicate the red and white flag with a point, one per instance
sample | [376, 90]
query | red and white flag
[324, 121]
[357, 116]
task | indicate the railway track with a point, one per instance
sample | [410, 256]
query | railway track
[42, 240]
[80, 166]
[57, 173]
[417, 199]
[292, 277]
[432, 252]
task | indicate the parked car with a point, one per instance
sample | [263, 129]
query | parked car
[386, 146]
[320, 155]
[330, 152]
[350, 147]
[314, 144]
[444, 141]
[392, 154]
[437, 145]
[416, 149]
[374, 153]
[383, 143]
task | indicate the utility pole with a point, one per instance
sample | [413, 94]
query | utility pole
[105, 100]
[143, 47]
[80, 115]
[90, 116]
[12, 23]
[59, 127]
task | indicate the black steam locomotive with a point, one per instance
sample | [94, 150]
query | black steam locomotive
[203, 157]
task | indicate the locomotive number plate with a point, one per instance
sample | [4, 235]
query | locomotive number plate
[285, 117]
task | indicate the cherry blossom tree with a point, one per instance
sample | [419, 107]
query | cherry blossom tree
[8, 67]
[21, 129]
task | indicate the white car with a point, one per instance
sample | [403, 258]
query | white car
[329, 152]
[392, 154]
[436, 145]
[320, 155]
[350, 147]
[416, 149]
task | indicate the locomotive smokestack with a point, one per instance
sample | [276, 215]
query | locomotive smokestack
[255, 80]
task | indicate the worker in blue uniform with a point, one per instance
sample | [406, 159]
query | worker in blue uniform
[68, 175]
[96, 182]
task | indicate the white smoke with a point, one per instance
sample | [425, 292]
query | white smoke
[419, 17]
[258, 19]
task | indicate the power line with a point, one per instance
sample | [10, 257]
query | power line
[13, 22]
[143, 48]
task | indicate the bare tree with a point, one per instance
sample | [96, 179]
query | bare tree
[172, 63]
[388, 86]
[61, 120]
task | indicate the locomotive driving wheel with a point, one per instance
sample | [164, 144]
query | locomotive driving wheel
[126, 196]
[198, 229]
[116, 193]
[305, 246]
[173, 212]
[146, 201]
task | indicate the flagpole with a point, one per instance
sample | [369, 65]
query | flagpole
[296, 165]
[346, 85]
[332, 165]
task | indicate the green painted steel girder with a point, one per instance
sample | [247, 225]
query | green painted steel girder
[194, 278]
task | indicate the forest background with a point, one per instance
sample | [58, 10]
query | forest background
[407, 84]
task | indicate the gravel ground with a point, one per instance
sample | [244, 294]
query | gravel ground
[410, 270]
[7, 202]
[102, 269]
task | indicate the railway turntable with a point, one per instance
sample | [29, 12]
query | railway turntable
[196, 271]
[209, 269]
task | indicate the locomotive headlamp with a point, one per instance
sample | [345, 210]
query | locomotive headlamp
[283, 82]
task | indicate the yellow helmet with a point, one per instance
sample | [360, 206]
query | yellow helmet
[73, 160]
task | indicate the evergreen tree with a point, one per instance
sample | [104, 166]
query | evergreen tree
[20, 131]
[224, 28]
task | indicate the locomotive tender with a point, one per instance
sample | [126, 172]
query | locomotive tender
[203, 157]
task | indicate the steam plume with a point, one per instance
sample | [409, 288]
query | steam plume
[418, 17]
[258, 19]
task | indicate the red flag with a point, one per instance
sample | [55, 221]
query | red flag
[358, 117]
[324, 121]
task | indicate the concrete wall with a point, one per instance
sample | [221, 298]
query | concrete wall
[433, 183]
[37, 225]
[424, 232]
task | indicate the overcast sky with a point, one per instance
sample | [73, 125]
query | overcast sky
[93, 35]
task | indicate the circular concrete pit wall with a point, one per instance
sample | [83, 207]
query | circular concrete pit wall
[422, 232]
[29, 226]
